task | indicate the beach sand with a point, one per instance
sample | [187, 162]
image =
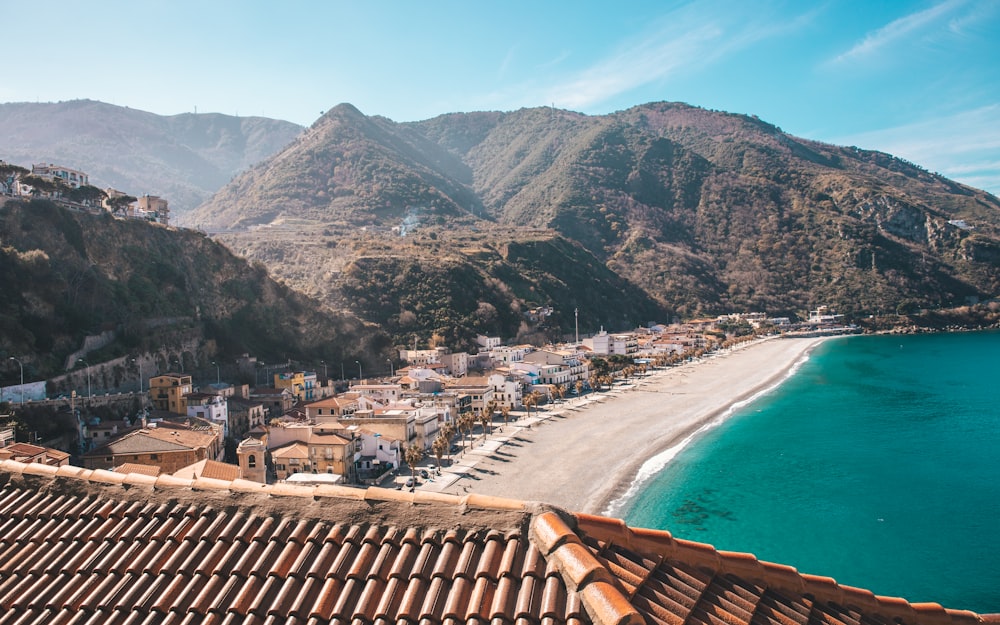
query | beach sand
[586, 452]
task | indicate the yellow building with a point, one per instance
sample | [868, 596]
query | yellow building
[167, 392]
[294, 381]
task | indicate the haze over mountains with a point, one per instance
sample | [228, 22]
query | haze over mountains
[184, 158]
[465, 222]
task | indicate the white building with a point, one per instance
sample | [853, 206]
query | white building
[214, 408]
[72, 178]
[504, 355]
[420, 357]
[604, 344]
[488, 342]
[557, 366]
[506, 392]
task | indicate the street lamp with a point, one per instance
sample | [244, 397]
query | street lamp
[22, 376]
[218, 376]
[89, 394]
[391, 373]
[358, 362]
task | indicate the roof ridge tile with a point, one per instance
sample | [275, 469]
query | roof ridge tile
[580, 569]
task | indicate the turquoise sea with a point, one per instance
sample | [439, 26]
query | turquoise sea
[877, 463]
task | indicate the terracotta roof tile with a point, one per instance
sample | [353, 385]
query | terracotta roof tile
[118, 550]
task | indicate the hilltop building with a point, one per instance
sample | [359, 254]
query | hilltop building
[72, 178]
[153, 208]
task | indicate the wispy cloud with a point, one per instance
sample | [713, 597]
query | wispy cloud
[505, 64]
[964, 146]
[899, 29]
[684, 40]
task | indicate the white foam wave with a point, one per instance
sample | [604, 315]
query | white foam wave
[654, 465]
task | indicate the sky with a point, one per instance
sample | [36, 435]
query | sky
[918, 79]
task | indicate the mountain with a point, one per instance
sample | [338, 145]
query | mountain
[700, 212]
[183, 158]
[68, 275]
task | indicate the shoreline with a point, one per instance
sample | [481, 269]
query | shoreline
[593, 454]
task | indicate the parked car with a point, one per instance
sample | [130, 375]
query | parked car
[409, 482]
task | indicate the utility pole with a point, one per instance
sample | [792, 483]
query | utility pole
[89, 393]
[22, 377]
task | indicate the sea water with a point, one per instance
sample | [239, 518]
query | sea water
[877, 463]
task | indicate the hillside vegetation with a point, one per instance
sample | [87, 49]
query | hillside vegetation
[691, 211]
[67, 275]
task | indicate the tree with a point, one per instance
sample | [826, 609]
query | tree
[579, 387]
[412, 456]
[8, 173]
[486, 418]
[536, 399]
[465, 423]
[528, 402]
[119, 203]
[41, 185]
[440, 446]
[87, 194]
[505, 412]
[560, 391]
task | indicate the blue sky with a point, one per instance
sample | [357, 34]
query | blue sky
[919, 79]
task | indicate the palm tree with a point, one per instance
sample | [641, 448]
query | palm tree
[413, 455]
[440, 446]
[579, 387]
[465, 423]
[485, 418]
[505, 412]
[528, 402]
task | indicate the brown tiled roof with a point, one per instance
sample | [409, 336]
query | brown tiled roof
[144, 469]
[81, 546]
[26, 452]
[210, 468]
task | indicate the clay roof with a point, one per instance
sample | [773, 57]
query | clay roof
[144, 469]
[210, 468]
[92, 546]
[294, 449]
[26, 452]
[155, 440]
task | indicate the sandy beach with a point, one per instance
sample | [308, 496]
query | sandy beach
[583, 454]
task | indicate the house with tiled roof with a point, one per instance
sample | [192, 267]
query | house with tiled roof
[211, 469]
[332, 407]
[476, 387]
[329, 448]
[25, 452]
[82, 546]
[168, 447]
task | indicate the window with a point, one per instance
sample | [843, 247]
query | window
[252, 461]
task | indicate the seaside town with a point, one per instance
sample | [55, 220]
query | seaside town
[306, 425]
[457, 314]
